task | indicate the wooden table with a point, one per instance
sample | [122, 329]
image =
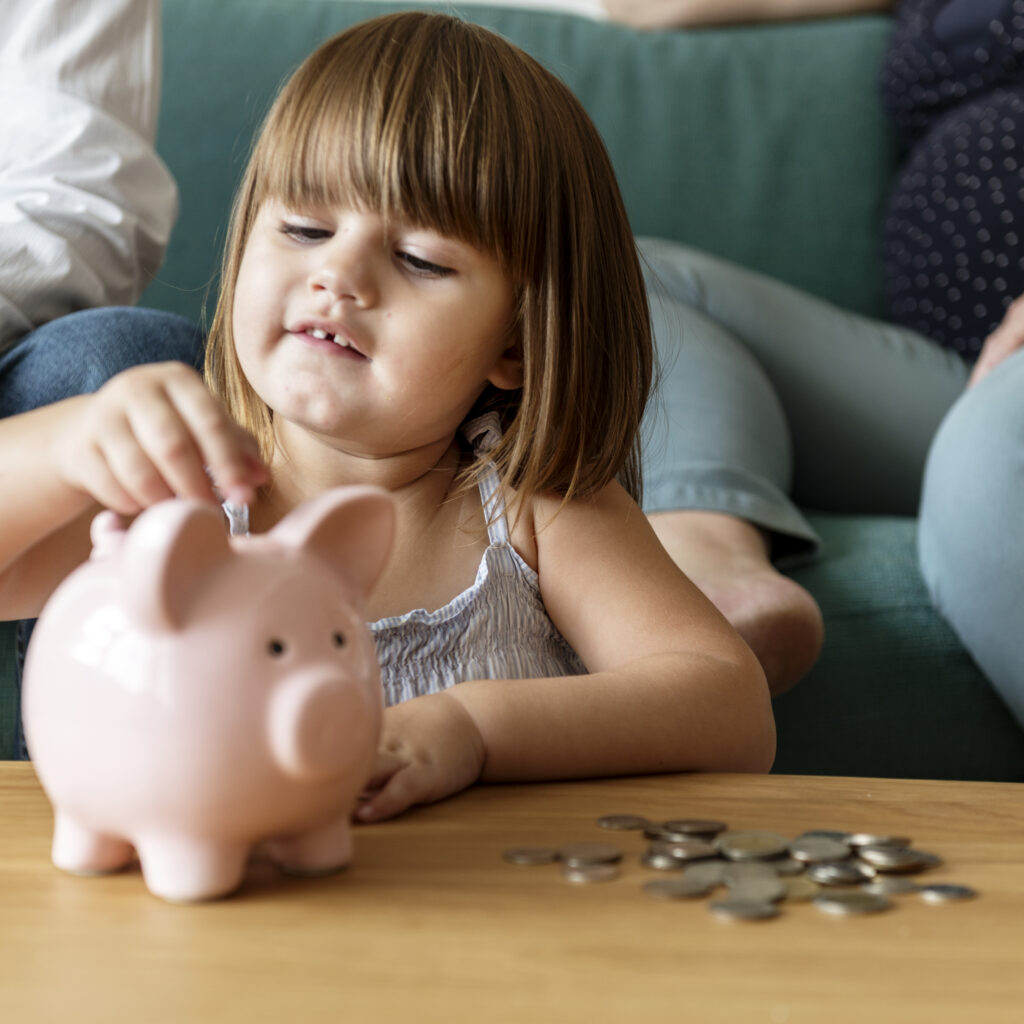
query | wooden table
[429, 924]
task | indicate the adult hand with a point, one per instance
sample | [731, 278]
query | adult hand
[654, 14]
[430, 748]
[1002, 342]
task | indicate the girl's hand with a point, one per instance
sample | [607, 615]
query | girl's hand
[1002, 342]
[155, 432]
[430, 748]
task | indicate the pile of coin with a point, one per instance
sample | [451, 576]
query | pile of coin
[838, 872]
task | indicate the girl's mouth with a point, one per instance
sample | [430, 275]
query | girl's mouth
[319, 334]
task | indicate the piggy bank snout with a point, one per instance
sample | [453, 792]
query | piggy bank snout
[318, 724]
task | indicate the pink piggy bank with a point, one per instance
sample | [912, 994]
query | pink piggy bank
[188, 695]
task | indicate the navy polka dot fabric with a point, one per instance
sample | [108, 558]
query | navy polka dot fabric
[953, 84]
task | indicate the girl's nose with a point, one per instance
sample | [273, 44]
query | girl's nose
[345, 272]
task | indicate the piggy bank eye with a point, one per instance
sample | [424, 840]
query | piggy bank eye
[338, 639]
[275, 648]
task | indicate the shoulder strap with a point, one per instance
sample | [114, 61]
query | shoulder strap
[483, 433]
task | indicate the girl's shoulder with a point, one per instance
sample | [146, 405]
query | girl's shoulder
[546, 521]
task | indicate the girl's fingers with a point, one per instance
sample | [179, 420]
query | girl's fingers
[155, 432]
[130, 465]
[103, 484]
[171, 450]
[225, 450]
[399, 793]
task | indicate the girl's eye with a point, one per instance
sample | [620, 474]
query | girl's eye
[304, 232]
[424, 267]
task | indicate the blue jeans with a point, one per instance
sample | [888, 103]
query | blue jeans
[771, 401]
[971, 530]
[77, 354]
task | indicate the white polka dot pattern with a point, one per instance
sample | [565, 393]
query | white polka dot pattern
[953, 82]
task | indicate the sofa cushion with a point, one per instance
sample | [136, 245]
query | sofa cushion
[894, 693]
[8, 693]
[722, 138]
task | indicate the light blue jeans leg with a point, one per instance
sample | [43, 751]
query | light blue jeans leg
[715, 434]
[860, 399]
[971, 531]
[77, 354]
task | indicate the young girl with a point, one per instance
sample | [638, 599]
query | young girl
[430, 285]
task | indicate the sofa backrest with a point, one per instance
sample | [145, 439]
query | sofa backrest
[766, 144]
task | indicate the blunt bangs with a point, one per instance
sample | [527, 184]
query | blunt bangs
[379, 117]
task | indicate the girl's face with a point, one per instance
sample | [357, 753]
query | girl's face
[377, 337]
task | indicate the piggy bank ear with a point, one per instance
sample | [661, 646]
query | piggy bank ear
[350, 529]
[168, 553]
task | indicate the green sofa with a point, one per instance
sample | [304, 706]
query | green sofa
[766, 145]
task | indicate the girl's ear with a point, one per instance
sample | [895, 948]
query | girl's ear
[507, 372]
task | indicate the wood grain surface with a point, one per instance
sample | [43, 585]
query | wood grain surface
[429, 924]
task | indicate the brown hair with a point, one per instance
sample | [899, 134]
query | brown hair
[438, 121]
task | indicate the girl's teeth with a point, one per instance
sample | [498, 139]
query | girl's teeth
[316, 332]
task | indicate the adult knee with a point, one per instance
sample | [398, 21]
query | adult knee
[971, 533]
[78, 353]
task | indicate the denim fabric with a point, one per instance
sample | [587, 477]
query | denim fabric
[77, 354]
[971, 531]
[771, 400]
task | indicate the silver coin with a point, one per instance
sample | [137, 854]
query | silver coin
[891, 885]
[743, 910]
[946, 892]
[897, 859]
[660, 861]
[578, 854]
[839, 872]
[584, 874]
[676, 889]
[851, 901]
[800, 889]
[752, 845]
[687, 850]
[825, 833]
[815, 849]
[656, 831]
[530, 855]
[622, 822]
[759, 890]
[869, 839]
[695, 826]
[706, 872]
[737, 872]
[785, 867]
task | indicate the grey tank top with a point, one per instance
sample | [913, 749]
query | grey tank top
[497, 629]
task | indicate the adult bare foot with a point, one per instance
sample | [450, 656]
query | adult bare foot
[728, 559]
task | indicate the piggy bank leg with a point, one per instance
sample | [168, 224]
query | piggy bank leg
[183, 870]
[321, 851]
[83, 851]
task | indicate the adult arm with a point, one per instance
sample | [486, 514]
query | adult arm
[653, 14]
[86, 205]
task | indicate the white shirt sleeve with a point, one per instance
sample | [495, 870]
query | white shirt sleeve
[86, 205]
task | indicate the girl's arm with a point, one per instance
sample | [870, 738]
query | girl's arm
[146, 435]
[653, 14]
[672, 687]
